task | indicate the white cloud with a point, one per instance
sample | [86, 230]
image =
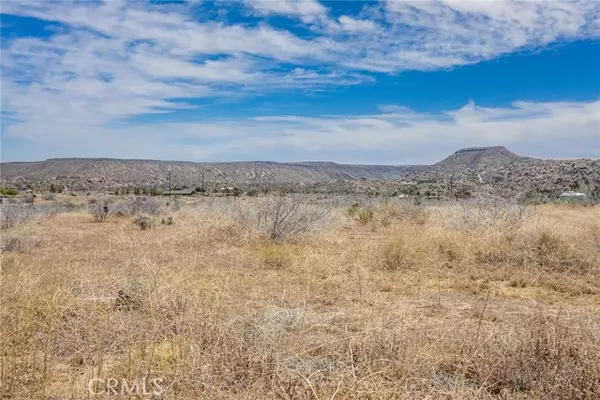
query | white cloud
[306, 10]
[116, 60]
[231, 70]
[397, 136]
[124, 60]
[350, 24]
[405, 34]
[474, 30]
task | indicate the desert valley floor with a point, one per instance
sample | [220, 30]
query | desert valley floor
[212, 298]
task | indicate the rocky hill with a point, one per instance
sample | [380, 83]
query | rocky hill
[476, 169]
[478, 158]
[496, 168]
[88, 174]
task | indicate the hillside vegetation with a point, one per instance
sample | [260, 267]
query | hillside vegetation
[476, 170]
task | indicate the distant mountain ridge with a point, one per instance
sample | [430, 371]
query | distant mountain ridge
[84, 172]
[480, 166]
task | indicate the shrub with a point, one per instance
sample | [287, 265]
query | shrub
[29, 199]
[282, 218]
[276, 256]
[552, 252]
[19, 243]
[530, 197]
[167, 221]
[12, 215]
[363, 217]
[122, 209]
[541, 249]
[395, 256]
[70, 206]
[99, 209]
[59, 207]
[386, 220]
[146, 205]
[490, 212]
[354, 209]
[144, 222]
[130, 297]
[360, 214]
[403, 212]
[8, 191]
[595, 193]
[56, 188]
[139, 205]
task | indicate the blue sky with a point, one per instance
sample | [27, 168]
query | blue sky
[391, 81]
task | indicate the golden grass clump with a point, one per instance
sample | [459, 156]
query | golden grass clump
[277, 255]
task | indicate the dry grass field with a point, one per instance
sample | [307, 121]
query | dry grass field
[227, 300]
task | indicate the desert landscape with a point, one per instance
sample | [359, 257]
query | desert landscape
[299, 297]
[300, 200]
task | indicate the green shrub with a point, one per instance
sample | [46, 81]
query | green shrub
[8, 191]
[364, 217]
[360, 214]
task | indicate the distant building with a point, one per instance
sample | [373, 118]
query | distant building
[181, 192]
[573, 197]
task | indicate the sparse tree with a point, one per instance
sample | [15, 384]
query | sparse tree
[596, 192]
[8, 191]
[575, 186]
[99, 210]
